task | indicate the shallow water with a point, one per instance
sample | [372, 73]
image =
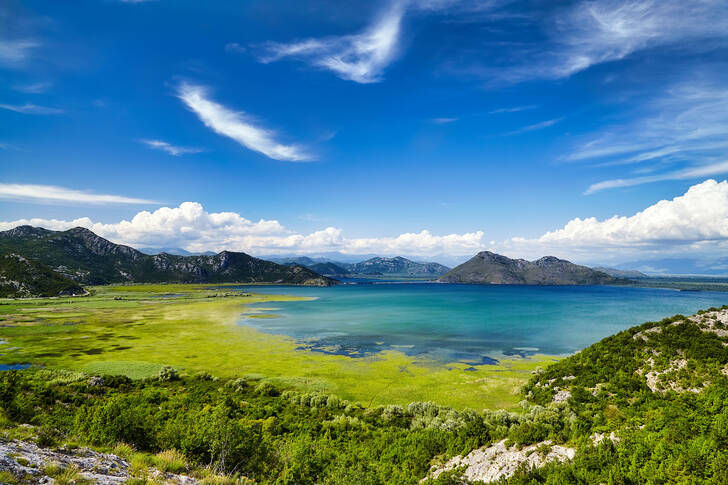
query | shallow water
[467, 323]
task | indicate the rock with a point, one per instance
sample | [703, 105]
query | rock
[27, 461]
[490, 464]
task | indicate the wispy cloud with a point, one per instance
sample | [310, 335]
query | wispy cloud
[697, 172]
[238, 126]
[443, 121]
[536, 126]
[14, 52]
[33, 88]
[361, 58]
[682, 134]
[514, 109]
[169, 148]
[31, 109]
[54, 194]
[235, 47]
[585, 33]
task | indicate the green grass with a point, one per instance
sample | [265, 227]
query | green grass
[127, 330]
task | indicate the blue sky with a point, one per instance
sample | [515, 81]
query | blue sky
[343, 125]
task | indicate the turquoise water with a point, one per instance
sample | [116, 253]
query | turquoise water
[468, 323]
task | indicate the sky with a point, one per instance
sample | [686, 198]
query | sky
[593, 131]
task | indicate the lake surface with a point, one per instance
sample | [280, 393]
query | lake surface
[467, 323]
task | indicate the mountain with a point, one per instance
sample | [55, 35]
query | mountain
[621, 273]
[83, 256]
[332, 269]
[490, 268]
[175, 251]
[21, 278]
[396, 266]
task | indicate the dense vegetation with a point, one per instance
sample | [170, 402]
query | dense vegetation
[92, 260]
[21, 278]
[670, 429]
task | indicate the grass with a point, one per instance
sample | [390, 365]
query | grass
[129, 330]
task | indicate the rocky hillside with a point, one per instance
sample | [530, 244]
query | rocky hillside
[396, 266]
[621, 273]
[22, 278]
[490, 268]
[81, 255]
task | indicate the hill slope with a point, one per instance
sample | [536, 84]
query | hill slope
[89, 259]
[21, 278]
[398, 266]
[491, 268]
[621, 273]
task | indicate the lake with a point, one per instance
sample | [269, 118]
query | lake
[466, 323]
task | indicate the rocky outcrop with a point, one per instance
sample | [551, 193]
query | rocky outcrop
[495, 269]
[498, 461]
[397, 266]
[28, 462]
[83, 256]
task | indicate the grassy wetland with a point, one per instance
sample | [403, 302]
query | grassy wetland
[137, 330]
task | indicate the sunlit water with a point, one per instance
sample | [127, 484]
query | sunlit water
[468, 323]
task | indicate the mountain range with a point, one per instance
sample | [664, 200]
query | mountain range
[490, 268]
[397, 266]
[88, 259]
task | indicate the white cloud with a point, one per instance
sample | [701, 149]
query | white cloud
[536, 126]
[683, 134]
[587, 33]
[694, 225]
[514, 109]
[34, 88]
[361, 58]
[688, 173]
[31, 109]
[238, 126]
[235, 47]
[14, 52]
[190, 227]
[54, 194]
[171, 149]
[443, 121]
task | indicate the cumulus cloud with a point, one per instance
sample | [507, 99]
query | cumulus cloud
[31, 109]
[361, 57]
[693, 224]
[169, 148]
[238, 126]
[51, 193]
[190, 227]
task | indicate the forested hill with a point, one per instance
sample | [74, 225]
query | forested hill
[21, 278]
[83, 256]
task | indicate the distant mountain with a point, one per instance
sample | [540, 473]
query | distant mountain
[83, 256]
[21, 278]
[396, 266]
[329, 269]
[490, 268]
[296, 260]
[175, 251]
[621, 273]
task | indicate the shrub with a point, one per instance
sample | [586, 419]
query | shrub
[168, 373]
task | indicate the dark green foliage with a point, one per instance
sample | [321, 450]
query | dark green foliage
[21, 278]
